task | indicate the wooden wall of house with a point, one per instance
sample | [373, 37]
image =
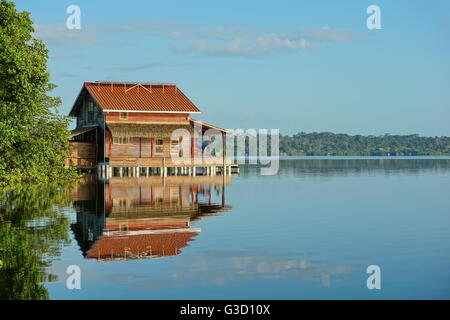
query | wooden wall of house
[86, 118]
[83, 154]
[82, 149]
[138, 148]
[148, 117]
[146, 147]
[134, 194]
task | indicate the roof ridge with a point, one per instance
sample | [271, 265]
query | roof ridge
[101, 82]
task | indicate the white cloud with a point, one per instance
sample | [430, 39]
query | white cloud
[59, 34]
[233, 40]
[326, 33]
[151, 65]
[245, 46]
[197, 39]
[275, 40]
[235, 267]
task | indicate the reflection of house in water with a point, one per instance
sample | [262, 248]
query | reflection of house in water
[131, 218]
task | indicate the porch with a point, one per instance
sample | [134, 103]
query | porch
[146, 167]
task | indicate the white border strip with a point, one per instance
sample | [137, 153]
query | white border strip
[146, 111]
[154, 231]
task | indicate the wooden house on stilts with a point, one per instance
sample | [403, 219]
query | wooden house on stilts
[125, 129]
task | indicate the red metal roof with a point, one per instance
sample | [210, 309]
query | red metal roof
[140, 97]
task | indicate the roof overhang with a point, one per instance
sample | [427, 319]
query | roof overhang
[77, 132]
[149, 130]
[209, 126]
[76, 104]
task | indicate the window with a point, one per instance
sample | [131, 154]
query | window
[90, 108]
[159, 147]
[123, 116]
[174, 147]
[121, 140]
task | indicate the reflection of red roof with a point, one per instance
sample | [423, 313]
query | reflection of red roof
[140, 97]
[155, 244]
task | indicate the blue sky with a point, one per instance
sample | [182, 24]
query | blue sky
[293, 65]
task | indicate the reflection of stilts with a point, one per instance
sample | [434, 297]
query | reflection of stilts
[126, 250]
[223, 194]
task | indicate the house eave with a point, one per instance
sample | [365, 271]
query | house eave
[151, 111]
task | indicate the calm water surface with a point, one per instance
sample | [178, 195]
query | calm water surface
[309, 232]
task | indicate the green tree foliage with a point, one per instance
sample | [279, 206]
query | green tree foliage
[33, 135]
[33, 229]
[327, 143]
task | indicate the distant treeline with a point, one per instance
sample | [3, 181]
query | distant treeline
[327, 143]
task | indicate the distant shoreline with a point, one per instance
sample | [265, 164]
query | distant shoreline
[432, 157]
[327, 143]
[368, 157]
